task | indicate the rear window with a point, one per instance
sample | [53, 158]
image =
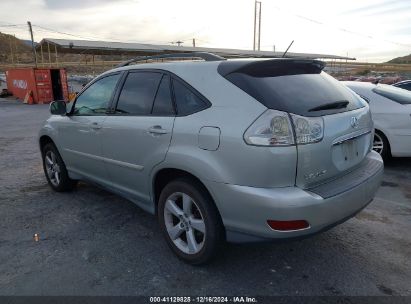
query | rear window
[396, 94]
[311, 93]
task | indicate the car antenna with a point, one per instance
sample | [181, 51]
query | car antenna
[288, 48]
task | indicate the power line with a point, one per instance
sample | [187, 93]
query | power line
[47, 29]
[63, 33]
[12, 25]
[44, 29]
[343, 29]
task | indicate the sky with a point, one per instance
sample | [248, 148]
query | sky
[371, 31]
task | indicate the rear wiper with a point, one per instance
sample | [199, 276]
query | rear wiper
[331, 106]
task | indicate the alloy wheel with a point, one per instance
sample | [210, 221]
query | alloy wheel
[184, 223]
[52, 168]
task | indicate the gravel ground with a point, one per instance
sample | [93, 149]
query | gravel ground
[96, 243]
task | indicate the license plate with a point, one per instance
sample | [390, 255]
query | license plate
[350, 149]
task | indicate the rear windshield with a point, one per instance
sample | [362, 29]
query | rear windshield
[396, 94]
[307, 94]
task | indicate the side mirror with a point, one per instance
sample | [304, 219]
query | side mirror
[58, 108]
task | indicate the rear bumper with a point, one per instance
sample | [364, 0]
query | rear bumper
[245, 210]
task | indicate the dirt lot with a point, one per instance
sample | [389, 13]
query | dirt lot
[96, 243]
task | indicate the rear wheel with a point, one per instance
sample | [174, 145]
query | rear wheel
[381, 145]
[55, 169]
[190, 221]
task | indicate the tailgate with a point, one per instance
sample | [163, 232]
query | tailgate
[347, 140]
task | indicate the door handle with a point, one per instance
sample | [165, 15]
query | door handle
[95, 126]
[157, 130]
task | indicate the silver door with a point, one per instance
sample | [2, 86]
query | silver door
[81, 131]
[137, 137]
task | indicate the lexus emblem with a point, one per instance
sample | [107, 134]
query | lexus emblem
[354, 122]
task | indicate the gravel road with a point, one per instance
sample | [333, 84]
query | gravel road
[96, 243]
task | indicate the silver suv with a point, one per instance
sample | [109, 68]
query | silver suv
[236, 150]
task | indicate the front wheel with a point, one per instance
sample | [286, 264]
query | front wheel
[55, 169]
[190, 221]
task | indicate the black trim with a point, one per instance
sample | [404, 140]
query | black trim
[155, 95]
[113, 102]
[368, 169]
[172, 76]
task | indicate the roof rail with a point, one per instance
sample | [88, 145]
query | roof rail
[204, 55]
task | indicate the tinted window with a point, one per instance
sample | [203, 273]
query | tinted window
[406, 86]
[311, 93]
[396, 94]
[187, 102]
[163, 104]
[138, 92]
[95, 99]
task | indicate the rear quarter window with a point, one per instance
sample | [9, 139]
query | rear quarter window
[187, 100]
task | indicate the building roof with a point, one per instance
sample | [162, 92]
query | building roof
[141, 49]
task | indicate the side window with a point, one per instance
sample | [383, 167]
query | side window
[163, 104]
[95, 99]
[138, 92]
[407, 86]
[187, 102]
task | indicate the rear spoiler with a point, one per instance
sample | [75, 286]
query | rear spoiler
[272, 67]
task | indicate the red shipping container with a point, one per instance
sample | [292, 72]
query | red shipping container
[45, 85]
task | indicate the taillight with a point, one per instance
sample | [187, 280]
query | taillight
[274, 128]
[308, 129]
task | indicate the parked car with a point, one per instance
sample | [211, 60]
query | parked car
[406, 84]
[391, 111]
[236, 150]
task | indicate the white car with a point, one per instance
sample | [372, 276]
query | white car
[391, 111]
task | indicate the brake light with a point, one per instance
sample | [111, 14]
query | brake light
[288, 225]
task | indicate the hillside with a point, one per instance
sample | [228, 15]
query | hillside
[13, 49]
[404, 59]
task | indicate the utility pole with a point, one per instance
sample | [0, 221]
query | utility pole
[257, 30]
[255, 20]
[11, 50]
[16, 51]
[32, 43]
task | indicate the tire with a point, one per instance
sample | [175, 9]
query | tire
[192, 211]
[55, 169]
[381, 145]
